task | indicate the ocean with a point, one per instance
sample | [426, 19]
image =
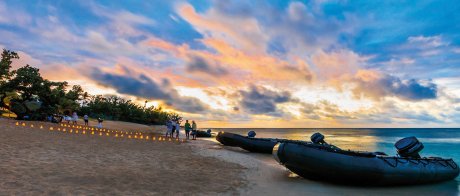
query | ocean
[438, 142]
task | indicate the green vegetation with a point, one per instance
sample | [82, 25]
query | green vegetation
[25, 93]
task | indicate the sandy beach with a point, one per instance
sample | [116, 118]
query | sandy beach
[35, 161]
[39, 161]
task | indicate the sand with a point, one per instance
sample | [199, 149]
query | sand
[37, 161]
[266, 177]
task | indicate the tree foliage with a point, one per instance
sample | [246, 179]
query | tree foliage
[26, 93]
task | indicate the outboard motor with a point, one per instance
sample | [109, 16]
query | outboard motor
[209, 131]
[317, 138]
[409, 147]
[251, 134]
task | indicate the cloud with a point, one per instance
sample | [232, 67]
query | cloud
[140, 85]
[378, 85]
[244, 32]
[334, 64]
[260, 100]
[199, 64]
[427, 42]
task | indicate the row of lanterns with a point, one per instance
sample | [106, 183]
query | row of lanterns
[102, 132]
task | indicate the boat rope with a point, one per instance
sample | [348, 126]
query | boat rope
[452, 164]
[422, 161]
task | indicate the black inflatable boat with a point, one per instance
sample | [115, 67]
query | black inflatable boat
[203, 133]
[319, 160]
[260, 145]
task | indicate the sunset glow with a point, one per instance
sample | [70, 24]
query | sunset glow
[252, 64]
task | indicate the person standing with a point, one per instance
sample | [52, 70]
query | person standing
[99, 123]
[173, 128]
[86, 119]
[74, 118]
[194, 130]
[187, 129]
[177, 130]
[169, 127]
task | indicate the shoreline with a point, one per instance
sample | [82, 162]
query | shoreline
[40, 161]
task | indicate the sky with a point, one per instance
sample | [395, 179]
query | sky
[253, 63]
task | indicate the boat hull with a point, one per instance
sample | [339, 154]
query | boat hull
[259, 145]
[314, 162]
[203, 134]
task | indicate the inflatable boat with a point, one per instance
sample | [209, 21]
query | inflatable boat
[321, 161]
[249, 143]
[200, 133]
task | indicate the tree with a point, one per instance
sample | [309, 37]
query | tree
[26, 93]
[5, 74]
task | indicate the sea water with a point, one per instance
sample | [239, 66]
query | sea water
[438, 142]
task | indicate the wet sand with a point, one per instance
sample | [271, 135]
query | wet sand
[266, 177]
[35, 161]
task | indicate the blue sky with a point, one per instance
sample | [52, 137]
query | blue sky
[253, 63]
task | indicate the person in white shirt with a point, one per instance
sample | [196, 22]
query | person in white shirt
[74, 118]
[86, 118]
[169, 128]
[177, 129]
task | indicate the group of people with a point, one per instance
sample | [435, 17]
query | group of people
[173, 127]
[74, 119]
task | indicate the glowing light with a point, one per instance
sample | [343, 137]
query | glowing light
[76, 131]
[107, 134]
[63, 130]
[169, 139]
[153, 138]
[92, 133]
[71, 130]
[59, 129]
[135, 136]
[146, 137]
[100, 134]
[51, 128]
[121, 135]
[116, 135]
[142, 137]
[84, 132]
[41, 127]
[23, 124]
[129, 136]
[17, 123]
